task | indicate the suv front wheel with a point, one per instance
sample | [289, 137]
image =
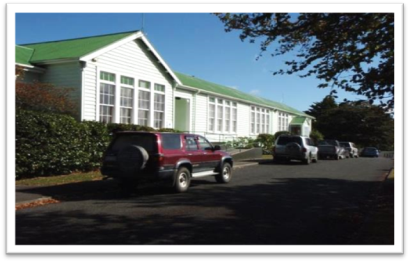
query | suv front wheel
[225, 175]
[182, 180]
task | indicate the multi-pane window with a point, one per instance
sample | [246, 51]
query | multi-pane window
[283, 121]
[126, 99]
[211, 121]
[143, 107]
[219, 118]
[267, 122]
[227, 116]
[234, 118]
[159, 105]
[144, 99]
[222, 115]
[259, 120]
[107, 97]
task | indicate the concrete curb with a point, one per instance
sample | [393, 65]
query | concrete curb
[244, 165]
[388, 174]
[43, 198]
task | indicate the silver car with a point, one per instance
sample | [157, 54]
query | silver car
[351, 148]
[292, 147]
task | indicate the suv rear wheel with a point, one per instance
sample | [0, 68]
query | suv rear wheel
[182, 180]
[226, 173]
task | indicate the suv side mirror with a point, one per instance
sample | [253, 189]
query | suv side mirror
[217, 148]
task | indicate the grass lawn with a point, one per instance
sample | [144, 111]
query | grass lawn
[59, 180]
[267, 157]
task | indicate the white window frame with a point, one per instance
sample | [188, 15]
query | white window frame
[283, 119]
[225, 107]
[211, 117]
[234, 108]
[261, 122]
[99, 104]
[153, 105]
[150, 106]
[132, 87]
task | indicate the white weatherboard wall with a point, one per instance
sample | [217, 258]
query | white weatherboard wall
[243, 120]
[131, 60]
[29, 77]
[64, 75]
[200, 113]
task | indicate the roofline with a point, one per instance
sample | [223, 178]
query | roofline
[31, 68]
[56, 61]
[136, 35]
[154, 51]
[62, 40]
[237, 99]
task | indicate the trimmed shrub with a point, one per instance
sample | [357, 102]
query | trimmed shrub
[277, 134]
[51, 144]
[266, 142]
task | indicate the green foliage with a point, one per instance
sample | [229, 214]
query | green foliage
[56, 144]
[170, 130]
[265, 140]
[45, 97]
[277, 134]
[361, 123]
[241, 142]
[316, 136]
[359, 58]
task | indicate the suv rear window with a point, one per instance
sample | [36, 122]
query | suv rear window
[284, 140]
[171, 141]
[344, 144]
[147, 141]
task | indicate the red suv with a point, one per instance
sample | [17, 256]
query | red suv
[134, 157]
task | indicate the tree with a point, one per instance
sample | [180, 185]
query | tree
[44, 97]
[352, 51]
[362, 123]
[317, 109]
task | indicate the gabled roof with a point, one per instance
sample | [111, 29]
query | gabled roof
[201, 84]
[299, 120]
[23, 55]
[72, 48]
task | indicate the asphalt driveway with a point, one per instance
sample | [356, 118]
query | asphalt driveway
[272, 204]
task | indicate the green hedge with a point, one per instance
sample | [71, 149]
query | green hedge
[52, 144]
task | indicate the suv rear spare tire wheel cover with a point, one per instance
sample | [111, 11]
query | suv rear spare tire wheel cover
[182, 180]
[293, 147]
[132, 159]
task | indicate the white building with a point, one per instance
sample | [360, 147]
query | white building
[121, 78]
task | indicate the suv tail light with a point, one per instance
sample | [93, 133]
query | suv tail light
[274, 149]
[304, 150]
[160, 159]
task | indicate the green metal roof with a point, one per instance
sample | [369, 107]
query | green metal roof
[299, 120]
[23, 55]
[73, 48]
[231, 92]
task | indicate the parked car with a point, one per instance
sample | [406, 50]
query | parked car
[350, 148]
[370, 152]
[135, 157]
[293, 147]
[330, 148]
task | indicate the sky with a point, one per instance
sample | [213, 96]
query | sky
[191, 43]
